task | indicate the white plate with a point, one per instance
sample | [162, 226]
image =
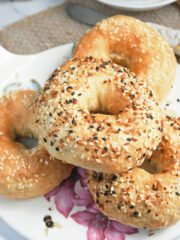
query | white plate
[136, 5]
[21, 220]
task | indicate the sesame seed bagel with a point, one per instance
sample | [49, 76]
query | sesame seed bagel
[24, 173]
[95, 114]
[140, 198]
[134, 44]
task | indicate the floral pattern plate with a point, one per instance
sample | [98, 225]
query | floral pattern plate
[70, 206]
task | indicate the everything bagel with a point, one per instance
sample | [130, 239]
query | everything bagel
[139, 198]
[24, 173]
[97, 115]
[134, 44]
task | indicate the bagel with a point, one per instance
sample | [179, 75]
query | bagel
[95, 114]
[139, 198]
[134, 44]
[24, 173]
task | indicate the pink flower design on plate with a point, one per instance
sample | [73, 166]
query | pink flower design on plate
[100, 227]
[73, 191]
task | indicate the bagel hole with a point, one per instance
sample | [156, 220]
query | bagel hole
[28, 142]
[148, 167]
[114, 111]
[120, 59]
[105, 112]
[100, 109]
[114, 103]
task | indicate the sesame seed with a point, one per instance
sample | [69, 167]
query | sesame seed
[104, 139]
[98, 129]
[135, 214]
[114, 178]
[150, 116]
[106, 193]
[105, 149]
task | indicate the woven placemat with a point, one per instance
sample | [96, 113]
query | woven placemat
[53, 27]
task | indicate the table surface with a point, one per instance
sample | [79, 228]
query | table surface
[14, 10]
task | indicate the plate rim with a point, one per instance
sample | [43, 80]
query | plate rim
[131, 7]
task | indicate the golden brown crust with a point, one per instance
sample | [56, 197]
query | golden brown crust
[24, 173]
[141, 199]
[134, 44]
[95, 114]
[167, 155]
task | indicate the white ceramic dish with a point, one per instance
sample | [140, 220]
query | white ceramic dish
[20, 220]
[136, 5]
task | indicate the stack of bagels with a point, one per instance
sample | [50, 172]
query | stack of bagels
[101, 110]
